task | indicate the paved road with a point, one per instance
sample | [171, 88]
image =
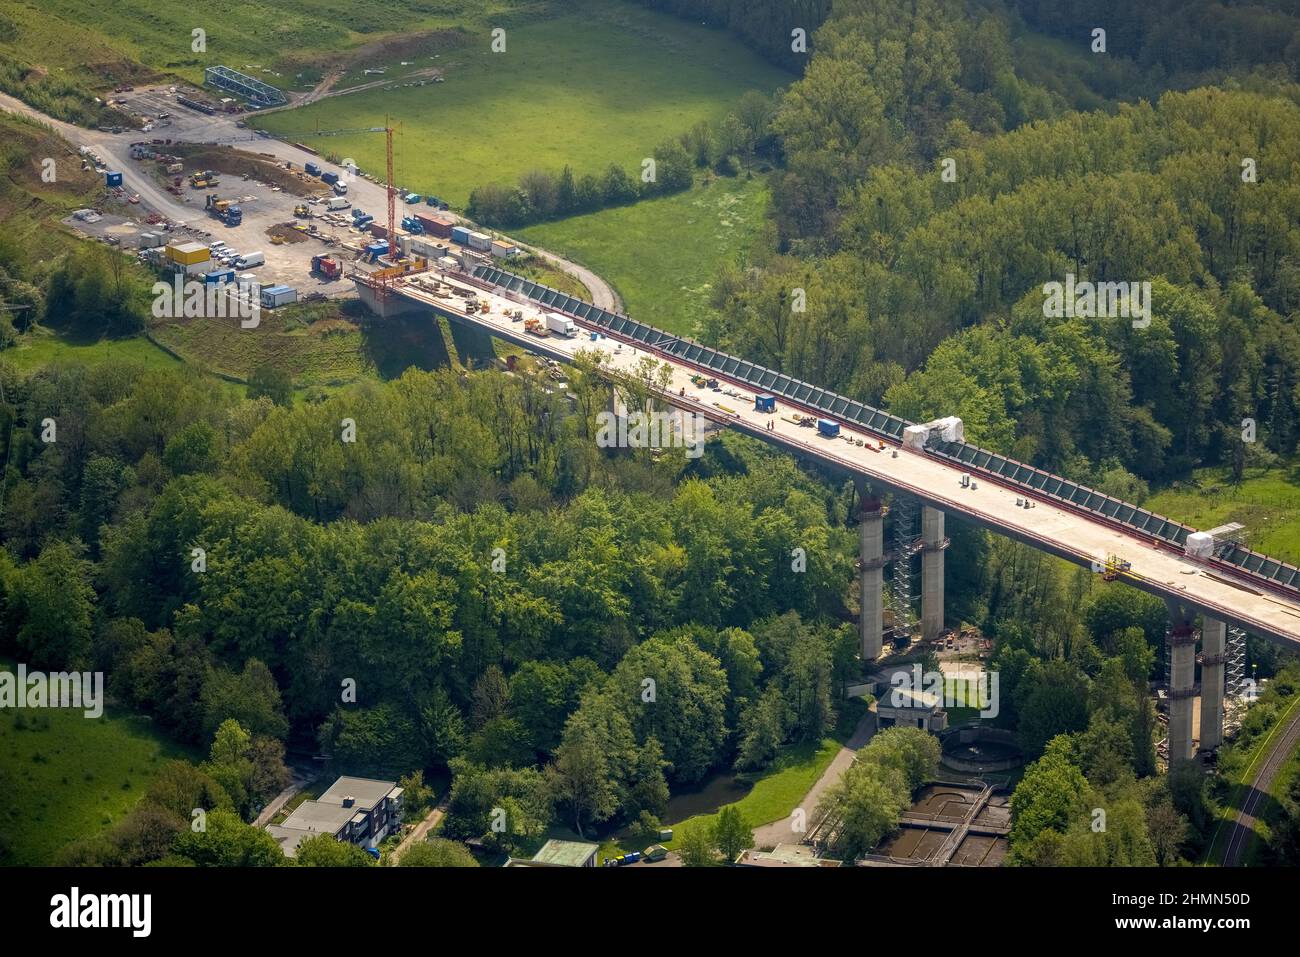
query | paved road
[1283, 741]
[190, 127]
[782, 832]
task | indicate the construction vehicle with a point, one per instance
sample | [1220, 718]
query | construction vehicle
[471, 306]
[1114, 567]
[536, 328]
[484, 306]
[327, 266]
[301, 211]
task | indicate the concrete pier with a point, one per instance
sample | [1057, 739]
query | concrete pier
[933, 544]
[871, 565]
[1214, 647]
[1182, 685]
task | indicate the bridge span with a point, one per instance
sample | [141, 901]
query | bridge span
[1220, 593]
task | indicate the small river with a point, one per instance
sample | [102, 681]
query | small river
[721, 789]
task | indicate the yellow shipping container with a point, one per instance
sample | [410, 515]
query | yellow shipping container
[187, 254]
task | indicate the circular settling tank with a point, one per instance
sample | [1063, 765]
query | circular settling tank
[978, 750]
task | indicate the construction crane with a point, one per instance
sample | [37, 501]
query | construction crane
[387, 130]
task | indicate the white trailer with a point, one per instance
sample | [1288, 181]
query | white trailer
[561, 325]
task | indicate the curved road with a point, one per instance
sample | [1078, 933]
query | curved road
[220, 130]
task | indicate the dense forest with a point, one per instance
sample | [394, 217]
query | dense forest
[485, 594]
[921, 212]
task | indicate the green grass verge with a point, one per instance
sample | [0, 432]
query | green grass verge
[604, 83]
[663, 254]
[66, 777]
[1267, 502]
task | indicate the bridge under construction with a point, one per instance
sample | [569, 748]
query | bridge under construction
[1216, 583]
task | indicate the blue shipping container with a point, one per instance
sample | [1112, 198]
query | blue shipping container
[113, 179]
[313, 169]
[459, 234]
[765, 403]
[330, 178]
[220, 275]
[827, 427]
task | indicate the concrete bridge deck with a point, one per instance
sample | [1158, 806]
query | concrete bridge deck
[1069, 534]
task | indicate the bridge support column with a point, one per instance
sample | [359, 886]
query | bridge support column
[933, 543]
[871, 565]
[1182, 680]
[1214, 647]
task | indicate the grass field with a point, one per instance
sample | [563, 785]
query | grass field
[1266, 502]
[66, 777]
[603, 83]
[43, 346]
[663, 254]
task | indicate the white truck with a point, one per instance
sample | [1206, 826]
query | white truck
[561, 325]
[250, 259]
[337, 202]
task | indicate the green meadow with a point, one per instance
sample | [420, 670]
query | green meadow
[602, 84]
[66, 777]
[1266, 502]
[662, 255]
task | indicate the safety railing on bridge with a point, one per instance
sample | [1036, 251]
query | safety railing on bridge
[885, 425]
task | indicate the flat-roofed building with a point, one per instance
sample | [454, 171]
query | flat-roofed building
[557, 853]
[361, 811]
[910, 708]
